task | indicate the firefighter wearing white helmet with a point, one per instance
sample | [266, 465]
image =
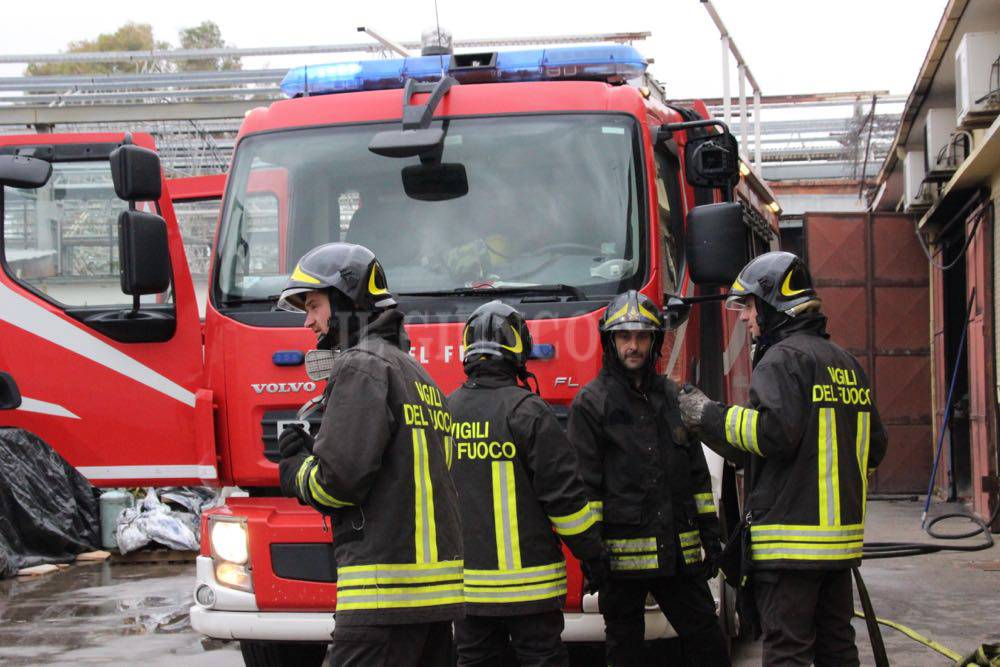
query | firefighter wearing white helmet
[377, 470]
[648, 481]
[812, 435]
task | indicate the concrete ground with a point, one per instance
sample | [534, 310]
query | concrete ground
[952, 598]
[99, 613]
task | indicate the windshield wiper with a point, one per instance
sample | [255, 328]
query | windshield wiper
[258, 300]
[486, 290]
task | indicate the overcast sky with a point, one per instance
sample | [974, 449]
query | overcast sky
[792, 46]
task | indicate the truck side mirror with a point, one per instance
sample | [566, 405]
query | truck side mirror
[10, 395]
[675, 312]
[21, 171]
[144, 255]
[712, 161]
[135, 172]
[716, 243]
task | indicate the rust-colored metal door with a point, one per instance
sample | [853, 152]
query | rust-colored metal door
[979, 262]
[872, 276]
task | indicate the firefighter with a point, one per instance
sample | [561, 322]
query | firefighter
[378, 467]
[812, 435]
[649, 481]
[520, 493]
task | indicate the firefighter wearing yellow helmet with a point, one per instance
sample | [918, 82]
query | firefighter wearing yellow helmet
[649, 482]
[378, 467]
[811, 435]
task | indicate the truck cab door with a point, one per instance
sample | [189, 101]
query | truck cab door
[196, 201]
[121, 401]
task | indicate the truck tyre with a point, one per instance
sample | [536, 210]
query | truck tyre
[282, 654]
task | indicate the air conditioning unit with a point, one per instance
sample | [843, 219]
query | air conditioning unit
[977, 78]
[915, 194]
[941, 158]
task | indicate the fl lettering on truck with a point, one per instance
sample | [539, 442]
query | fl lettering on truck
[553, 179]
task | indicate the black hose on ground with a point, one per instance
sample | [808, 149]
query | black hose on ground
[873, 550]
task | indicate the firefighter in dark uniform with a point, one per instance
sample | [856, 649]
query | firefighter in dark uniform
[378, 467]
[520, 493]
[812, 436]
[649, 480]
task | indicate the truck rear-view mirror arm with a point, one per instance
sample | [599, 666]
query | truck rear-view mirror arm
[416, 137]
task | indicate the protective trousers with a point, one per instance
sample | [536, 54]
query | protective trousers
[805, 616]
[687, 603]
[536, 640]
[409, 645]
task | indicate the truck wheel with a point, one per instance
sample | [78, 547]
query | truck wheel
[282, 654]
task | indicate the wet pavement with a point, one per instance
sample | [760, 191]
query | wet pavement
[98, 614]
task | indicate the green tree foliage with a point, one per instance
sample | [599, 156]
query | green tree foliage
[129, 37]
[205, 36]
[139, 37]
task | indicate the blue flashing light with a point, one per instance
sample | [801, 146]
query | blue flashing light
[543, 351]
[606, 63]
[288, 358]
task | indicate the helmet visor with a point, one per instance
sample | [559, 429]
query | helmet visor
[293, 299]
[738, 302]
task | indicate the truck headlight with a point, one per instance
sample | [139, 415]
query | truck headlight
[229, 541]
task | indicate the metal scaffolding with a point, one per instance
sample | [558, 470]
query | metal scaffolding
[194, 116]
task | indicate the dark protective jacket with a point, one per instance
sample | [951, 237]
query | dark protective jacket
[519, 487]
[644, 474]
[380, 468]
[813, 435]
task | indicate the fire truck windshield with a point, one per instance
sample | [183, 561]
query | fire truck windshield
[552, 200]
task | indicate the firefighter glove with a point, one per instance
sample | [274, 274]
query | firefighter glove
[294, 440]
[596, 572]
[695, 406]
[713, 552]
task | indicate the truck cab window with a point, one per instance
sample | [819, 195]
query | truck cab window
[551, 200]
[669, 214]
[61, 240]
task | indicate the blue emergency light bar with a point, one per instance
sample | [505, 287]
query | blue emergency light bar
[613, 63]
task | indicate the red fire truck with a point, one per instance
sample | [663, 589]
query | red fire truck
[553, 179]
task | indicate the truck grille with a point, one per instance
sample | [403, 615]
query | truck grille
[273, 423]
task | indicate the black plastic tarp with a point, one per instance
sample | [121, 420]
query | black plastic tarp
[48, 510]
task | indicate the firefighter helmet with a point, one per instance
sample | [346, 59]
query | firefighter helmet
[350, 271]
[497, 330]
[632, 311]
[779, 279]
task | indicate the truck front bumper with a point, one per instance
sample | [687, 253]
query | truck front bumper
[235, 615]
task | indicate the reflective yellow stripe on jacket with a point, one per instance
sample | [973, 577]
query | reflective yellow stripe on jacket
[399, 585]
[829, 469]
[704, 503]
[575, 523]
[633, 554]
[425, 531]
[861, 446]
[309, 486]
[505, 516]
[691, 547]
[524, 584]
[795, 542]
[741, 429]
